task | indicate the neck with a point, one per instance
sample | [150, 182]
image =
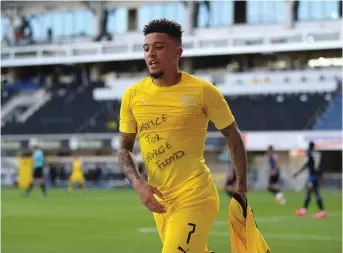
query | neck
[168, 79]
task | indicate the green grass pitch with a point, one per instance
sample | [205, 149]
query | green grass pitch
[114, 221]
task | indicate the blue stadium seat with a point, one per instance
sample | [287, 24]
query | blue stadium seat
[331, 119]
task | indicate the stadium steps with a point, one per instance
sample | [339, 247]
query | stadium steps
[280, 112]
[331, 119]
[24, 100]
[41, 98]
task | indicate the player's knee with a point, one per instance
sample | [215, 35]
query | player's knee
[308, 196]
[318, 196]
[272, 189]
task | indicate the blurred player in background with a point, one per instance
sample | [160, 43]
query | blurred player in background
[312, 164]
[231, 180]
[170, 111]
[77, 175]
[38, 167]
[274, 176]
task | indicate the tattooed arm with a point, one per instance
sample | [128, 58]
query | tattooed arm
[126, 159]
[238, 156]
[129, 167]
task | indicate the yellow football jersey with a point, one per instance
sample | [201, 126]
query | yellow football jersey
[171, 123]
[25, 172]
[77, 167]
[244, 234]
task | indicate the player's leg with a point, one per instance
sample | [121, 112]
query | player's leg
[82, 184]
[42, 185]
[29, 188]
[71, 184]
[275, 189]
[161, 220]
[190, 221]
[40, 176]
[321, 213]
[272, 186]
[307, 201]
[31, 185]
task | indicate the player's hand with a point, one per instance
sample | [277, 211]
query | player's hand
[146, 193]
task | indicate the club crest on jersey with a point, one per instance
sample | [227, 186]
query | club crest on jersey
[188, 100]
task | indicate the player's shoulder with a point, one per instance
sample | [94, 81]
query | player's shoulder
[196, 81]
[136, 88]
[139, 84]
[205, 88]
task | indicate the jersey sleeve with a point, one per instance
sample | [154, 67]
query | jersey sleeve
[127, 123]
[216, 107]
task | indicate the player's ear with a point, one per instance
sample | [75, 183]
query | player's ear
[179, 52]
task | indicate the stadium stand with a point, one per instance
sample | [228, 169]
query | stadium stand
[331, 119]
[64, 113]
[6, 95]
[261, 101]
[275, 112]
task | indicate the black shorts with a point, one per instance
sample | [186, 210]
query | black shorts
[274, 179]
[38, 172]
[313, 184]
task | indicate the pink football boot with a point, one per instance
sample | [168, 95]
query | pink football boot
[320, 215]
[301, 212]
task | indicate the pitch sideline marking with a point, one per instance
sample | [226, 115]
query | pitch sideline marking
[276, 236]
[267, 219]
[290, 236]
[275, 218]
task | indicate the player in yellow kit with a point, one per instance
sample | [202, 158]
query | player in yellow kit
[169, 112]
[77, 176]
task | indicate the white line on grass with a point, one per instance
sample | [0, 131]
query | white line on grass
[290, 236]
[276, 236]
[259, 220]
[276, 218]
[147, 230]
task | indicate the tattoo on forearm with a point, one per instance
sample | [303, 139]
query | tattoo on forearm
[238, 154]
[125, 157]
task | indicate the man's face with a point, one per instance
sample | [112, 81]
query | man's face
[160, 53]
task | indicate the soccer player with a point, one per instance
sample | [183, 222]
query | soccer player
[274, 175]
[313, 165]
[170, 111]
[77, 176]
[230, 181]
[38, 166]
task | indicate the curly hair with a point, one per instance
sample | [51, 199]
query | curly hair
[166, 26]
